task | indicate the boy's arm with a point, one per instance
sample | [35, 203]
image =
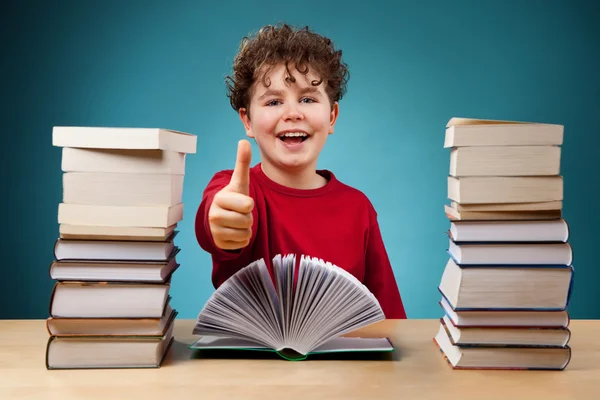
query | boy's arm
[379, 276]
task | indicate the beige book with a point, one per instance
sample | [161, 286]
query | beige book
[154, 216]
[556, 337]
[124, 233]
[539, 206]
[127, 189]
[123, 161]
[123, 138]
[505, 161]
[499, 189]
[456, 215]
[481, 132]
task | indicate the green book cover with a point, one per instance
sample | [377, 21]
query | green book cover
[335, 345]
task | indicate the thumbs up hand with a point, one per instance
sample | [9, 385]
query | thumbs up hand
[230, 214]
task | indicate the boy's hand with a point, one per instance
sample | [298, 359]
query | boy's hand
[230, 214]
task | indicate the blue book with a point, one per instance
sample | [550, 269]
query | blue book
[506, 287]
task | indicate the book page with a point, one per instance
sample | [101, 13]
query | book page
[242, 306]
[288, 315]
[215, 342]
[319, 301]
[332, 303]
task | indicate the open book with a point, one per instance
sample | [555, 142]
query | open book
[294, 317]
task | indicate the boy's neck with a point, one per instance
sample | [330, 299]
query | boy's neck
[306, 178]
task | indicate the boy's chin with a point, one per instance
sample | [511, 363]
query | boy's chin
[294, 163]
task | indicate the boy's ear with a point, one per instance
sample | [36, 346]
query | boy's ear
[245, 117]
[335, 110]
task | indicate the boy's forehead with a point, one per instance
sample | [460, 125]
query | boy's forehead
[277, 77]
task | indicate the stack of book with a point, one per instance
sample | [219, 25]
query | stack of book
[115, 256]
[507, 283]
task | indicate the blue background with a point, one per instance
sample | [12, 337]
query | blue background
[413, 66]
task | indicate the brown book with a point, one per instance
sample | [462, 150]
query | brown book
[500, 356]
[456, 215]
[122, 233]
[92, 352]
[112, 326]
[536, 206]
[494, 336]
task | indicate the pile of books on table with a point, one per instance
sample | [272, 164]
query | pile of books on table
[507, 283]
[115, 255]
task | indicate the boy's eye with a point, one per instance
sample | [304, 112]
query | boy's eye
[273, 102]
[307, 100]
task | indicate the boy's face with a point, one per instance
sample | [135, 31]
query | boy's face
[289, 121]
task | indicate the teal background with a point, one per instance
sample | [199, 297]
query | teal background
[413, 66]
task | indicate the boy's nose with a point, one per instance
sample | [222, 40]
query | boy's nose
[292, 112]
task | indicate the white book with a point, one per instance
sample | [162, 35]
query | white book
[68, 249]
[123, 138]
[249, 311]
[505, 161]
[122, 189]
[505, 189]
[122, 161]
[108, 300]
[510, 231]
[511, 253]
[501, 357]
[120, 216]
[481, 132]
[79, 327]
[113, 270]
[500, 318]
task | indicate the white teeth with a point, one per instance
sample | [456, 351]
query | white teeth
[294, 134]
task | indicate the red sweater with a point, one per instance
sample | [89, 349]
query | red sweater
[335, 223]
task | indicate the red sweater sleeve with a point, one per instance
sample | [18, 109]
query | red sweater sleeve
[379, 276]
[225, 263]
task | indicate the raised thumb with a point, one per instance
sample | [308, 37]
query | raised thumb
[240, 180]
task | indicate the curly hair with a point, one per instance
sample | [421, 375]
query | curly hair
[275, 44]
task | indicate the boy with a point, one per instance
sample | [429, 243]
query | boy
[286, 85]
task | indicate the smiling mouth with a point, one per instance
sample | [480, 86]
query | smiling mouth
[293, 137]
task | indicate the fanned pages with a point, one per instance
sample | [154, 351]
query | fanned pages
[292, 317]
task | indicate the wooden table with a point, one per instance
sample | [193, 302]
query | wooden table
[417, 370]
